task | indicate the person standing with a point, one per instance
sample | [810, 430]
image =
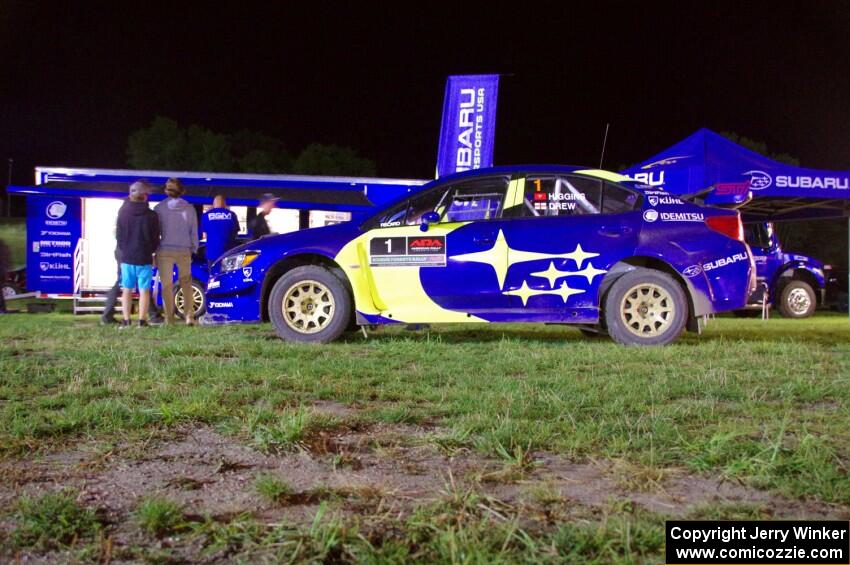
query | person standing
[179, 225]
[259, 226]
[108, 316]
[221, 226]
[137, 236]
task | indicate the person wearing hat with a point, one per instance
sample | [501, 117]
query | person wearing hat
[179, 225]
[259, 225]
[137, 238]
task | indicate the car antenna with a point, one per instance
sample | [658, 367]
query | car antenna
[604, 141]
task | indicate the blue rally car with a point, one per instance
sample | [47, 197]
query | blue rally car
[558, 245]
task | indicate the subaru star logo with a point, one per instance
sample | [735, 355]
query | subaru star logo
[55, 210]
[246, 272]
[650, 215]
[759, 180]
[692, 271]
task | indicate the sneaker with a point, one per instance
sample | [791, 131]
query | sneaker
[108, 321]
[124, 324]
[143, 323]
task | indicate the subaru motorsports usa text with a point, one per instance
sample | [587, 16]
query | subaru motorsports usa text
[558, 245]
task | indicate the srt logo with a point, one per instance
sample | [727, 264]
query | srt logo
[759, 180]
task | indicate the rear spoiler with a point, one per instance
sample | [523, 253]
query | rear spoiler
[722, 195]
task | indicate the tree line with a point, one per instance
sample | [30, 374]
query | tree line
[166, 145]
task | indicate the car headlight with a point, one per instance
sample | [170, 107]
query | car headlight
[234, 262]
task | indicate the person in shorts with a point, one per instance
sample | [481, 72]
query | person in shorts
[137, 236]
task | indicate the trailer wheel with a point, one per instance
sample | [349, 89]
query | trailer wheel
[645, 307]
[9, 290]
[199, 300]
[797, 300]
[310, 304]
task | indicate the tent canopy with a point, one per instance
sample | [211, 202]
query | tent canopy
[706, 160]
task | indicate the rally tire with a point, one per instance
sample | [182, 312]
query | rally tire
[310, 304]
[199, 297]
[797, 300]
[645, 307]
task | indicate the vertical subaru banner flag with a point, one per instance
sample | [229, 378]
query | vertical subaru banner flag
[468, 128]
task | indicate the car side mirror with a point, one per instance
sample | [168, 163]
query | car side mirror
[429, 218]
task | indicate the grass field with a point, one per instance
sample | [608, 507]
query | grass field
[513, 443]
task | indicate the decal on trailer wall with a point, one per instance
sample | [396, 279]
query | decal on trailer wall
[408, 251]
[53, 230]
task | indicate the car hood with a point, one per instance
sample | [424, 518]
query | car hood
[327, 239]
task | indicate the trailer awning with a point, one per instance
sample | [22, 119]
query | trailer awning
[706, 161]
[301, 198]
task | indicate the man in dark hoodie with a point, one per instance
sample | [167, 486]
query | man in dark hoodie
[179, 224]
[137, 236]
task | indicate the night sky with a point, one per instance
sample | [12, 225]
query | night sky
[77, 80]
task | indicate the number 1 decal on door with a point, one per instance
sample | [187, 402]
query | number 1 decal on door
[410, 251]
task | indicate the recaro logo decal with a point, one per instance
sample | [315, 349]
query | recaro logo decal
[759, 180]
[692, 271]
[650, 215]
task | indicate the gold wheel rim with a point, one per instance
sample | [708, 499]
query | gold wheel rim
[647, 310]
[197, 300]
[308, 307]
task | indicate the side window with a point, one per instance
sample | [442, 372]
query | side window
[561, 195]
[474, 200]
[421, 205]
[392, 217]
[756, 235]
[617, 200]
